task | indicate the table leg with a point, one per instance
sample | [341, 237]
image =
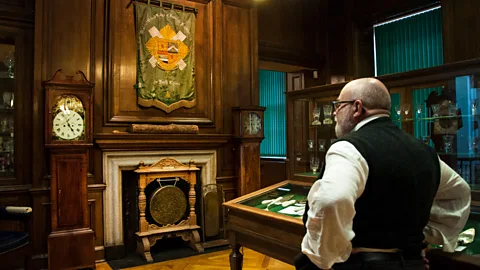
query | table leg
[236, 258]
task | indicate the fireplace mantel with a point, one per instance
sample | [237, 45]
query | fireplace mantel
[133, 141]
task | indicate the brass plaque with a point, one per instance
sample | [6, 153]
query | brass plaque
[168, 205]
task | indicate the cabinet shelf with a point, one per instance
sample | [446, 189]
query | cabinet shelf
[6, 110]
[6, 173]
[431, 119]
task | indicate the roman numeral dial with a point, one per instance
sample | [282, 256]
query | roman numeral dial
[68, 125]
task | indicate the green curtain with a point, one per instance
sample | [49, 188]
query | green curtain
[409, 44]
[272, 96]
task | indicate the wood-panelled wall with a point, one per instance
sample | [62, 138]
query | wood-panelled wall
[461, 23]
[98, 38]
[293, 32]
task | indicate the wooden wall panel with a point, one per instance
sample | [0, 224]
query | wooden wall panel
[237, 56]
[95, 209]
[272, 171]
[292, 32]
[68, 36]
[17, 10]
[41, 229]
[460, 27]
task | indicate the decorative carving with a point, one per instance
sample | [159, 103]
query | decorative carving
[155, 227]
[167, 165]
[163, 129]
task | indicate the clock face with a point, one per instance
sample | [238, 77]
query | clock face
[68, 118]
[68, 126]
[252, 124]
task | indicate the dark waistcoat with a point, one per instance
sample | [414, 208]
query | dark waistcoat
[403, 179]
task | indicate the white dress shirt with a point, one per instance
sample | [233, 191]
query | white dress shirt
[332, 205]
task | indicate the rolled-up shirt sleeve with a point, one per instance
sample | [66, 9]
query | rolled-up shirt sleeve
[332, 206]
[450, 209]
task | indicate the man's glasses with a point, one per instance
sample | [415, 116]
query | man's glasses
[337, 103]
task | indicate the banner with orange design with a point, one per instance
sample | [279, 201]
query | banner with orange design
[165, 57]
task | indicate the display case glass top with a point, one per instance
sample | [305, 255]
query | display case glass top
[285, 199]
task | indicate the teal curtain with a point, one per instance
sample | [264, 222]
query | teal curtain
[272, 96]
[409, 44]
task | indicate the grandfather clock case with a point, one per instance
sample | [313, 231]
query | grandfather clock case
[248, 134]
[68, 137]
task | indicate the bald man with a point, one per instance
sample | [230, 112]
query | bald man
[382, 193]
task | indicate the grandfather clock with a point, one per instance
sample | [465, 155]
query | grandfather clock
[68, 136]
[248, 134]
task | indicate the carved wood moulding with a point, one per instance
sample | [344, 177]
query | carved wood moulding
[240, 3]
[128, 141]
[200, 1]
[167, 164]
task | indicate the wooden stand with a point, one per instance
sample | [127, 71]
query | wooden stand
[187, 228]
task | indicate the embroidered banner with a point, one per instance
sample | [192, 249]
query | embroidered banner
[166, 59]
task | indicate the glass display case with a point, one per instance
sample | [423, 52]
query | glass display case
[7, 104]
[288, 199]
[268, 221]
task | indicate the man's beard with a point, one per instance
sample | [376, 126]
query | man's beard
[344, 128]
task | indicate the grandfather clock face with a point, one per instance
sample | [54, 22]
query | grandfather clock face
[68, 123]
[252, 124]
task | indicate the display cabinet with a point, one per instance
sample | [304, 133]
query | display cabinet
[438, 105]
[268, 221]
[7, 112]
[15, 84]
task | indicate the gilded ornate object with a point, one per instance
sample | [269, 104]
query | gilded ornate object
[168, 205]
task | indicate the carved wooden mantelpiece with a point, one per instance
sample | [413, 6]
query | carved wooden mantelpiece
[187, 228]
[126, 141]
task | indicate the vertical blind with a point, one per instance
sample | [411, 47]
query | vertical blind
[272, 96]
[409, 44]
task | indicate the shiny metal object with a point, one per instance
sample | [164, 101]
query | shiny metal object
[168, 205]
[212, 215]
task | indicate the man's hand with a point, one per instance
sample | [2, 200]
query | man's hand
[426, 262]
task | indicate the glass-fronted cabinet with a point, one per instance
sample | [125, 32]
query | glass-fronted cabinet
[16, 109]
[7, 105]
[439, 106]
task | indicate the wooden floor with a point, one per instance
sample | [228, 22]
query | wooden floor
[215, 261]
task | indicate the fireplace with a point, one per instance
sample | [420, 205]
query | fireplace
[117, 162]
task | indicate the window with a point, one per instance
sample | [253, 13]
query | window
[409, 43]
[272, 96]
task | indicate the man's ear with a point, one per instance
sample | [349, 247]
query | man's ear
[359, 108]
